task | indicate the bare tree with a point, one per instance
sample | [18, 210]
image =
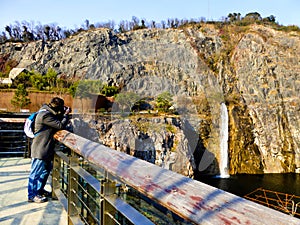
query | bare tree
[163, 24]
[47, 32]
[9, 31]
[122, 26]
[135, 21]
[153, 25]
[26, 35]
[87, 24]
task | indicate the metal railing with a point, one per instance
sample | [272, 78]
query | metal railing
[93, 181]
[283, 202]
[91, 200]
[13, 141]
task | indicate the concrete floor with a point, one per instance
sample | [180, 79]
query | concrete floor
[14, 208]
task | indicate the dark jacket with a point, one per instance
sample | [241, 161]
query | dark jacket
[47, 123]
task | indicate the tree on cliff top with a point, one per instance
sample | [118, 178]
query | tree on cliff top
[126, 100]
[164, 102]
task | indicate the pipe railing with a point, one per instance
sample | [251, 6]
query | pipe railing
[94, 196]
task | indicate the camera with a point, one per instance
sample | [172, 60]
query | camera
[67, 110]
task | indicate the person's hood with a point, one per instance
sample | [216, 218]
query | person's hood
[48, 108]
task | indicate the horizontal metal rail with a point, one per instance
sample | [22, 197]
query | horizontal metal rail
[12, 120]
[12, 131]
[14, 141]
[188, 198]
[74, 186]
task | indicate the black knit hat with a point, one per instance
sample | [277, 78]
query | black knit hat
[57, 104]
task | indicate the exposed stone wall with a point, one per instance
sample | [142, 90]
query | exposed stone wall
[159, 140]
[268, 71]
[254, 70]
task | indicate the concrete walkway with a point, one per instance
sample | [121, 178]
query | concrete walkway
[14, 208]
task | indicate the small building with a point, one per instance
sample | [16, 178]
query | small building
[12, 75]
[15, 72]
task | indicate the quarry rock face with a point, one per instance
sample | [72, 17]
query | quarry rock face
[267, 67]
[255, 71]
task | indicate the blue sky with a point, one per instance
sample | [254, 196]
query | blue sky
[72, 13]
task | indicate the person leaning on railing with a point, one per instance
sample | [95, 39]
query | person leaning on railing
[51, 118]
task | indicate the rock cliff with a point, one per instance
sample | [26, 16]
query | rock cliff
[254, 70]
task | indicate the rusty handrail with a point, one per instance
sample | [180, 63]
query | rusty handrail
[188, 198]
[283, 202]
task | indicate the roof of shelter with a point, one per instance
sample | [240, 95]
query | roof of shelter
[15, 72]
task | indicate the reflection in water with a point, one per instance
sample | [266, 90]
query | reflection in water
[244, 184]
[273, 188]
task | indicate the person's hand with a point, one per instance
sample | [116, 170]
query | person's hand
[67, 110]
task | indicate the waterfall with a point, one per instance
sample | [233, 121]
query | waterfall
[224, 142]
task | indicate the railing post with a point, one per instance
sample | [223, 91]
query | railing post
[72, 190]
[55, 175]
[108, 211]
